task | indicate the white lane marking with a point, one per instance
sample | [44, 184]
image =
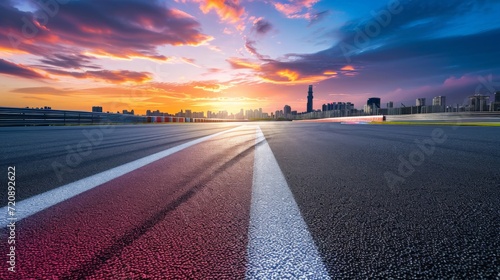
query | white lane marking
[280, 245]
[37, 203]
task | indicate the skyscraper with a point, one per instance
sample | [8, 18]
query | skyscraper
[310, 99]
[420, 102]
[439, 101]
[495, 105]
[372, 105]
[373, 101]
[287, 110]
[478, 103]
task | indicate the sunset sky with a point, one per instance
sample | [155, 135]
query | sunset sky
[227, 55]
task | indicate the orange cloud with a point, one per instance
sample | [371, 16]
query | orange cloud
[125, 55]
[347, 68]
[10, 51]
[299, 80]
[290, 75]
[328, 72]
[277, 72]
[212, 87]
[227, 10]
[287, 76]
[294, 8]
[238, 63]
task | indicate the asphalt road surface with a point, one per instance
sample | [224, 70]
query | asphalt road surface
[276, 200]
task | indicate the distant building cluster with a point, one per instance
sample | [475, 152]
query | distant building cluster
[255, 114]
[286, 113]
[477, 103]
[337, 106]
[190, 114]
[242, 114]
[156, 113]
[248, 114]
[40, 108]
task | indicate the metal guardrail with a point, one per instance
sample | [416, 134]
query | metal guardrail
[28, 117]
[449, 117]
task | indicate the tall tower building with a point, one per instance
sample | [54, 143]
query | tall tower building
[310, 99]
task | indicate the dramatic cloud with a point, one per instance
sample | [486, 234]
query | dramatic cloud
[68, 38]
[75, 61]
[19, 70]
[227, 10]
[240, 63]
[278, 72]
[262, 26]
[388, 58]
[398, 51]
[250, 47]
[123, 29]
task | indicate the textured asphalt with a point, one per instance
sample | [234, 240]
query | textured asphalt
[184, 216]
[37, 152]
[441, 219]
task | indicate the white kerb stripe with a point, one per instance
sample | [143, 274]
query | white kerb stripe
[280, 245]
[37, 203]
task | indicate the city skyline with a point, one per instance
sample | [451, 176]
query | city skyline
[244, 54]
[476, 102]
